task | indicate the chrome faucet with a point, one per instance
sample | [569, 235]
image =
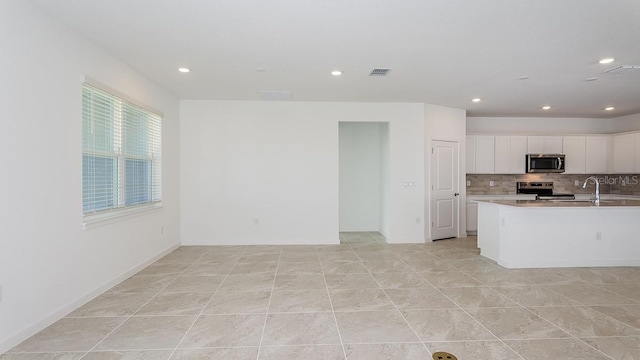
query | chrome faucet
[595, 181]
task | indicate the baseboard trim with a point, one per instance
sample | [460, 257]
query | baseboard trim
[11, 341]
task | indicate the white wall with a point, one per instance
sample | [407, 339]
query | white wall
[625, 123]
[361, 164]
[385, 184]
[537, 126]
[449, 124]
[277, 163]
[48, 264]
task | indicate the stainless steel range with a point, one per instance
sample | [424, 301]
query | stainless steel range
[542, 189]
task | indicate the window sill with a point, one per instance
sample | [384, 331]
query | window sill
[110, 217]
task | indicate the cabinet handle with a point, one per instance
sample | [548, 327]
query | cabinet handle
[456, 194]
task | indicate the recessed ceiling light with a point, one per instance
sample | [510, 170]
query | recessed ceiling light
[606, 61]
[546, 107]
[609, 108]
[523, 78]
[184, 70]
[592, 79]
[476, 100]
[336, 73]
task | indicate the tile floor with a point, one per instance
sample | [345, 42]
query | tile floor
[363, 299]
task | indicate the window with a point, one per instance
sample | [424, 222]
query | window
[121, 148]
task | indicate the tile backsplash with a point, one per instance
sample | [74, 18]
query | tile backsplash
[628, 184]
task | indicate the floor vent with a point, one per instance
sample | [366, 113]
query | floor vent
[379, 72]
[441, 355]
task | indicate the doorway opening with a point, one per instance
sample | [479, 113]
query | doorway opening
[364, 181]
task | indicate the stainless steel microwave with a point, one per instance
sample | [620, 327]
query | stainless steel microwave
[545, 163]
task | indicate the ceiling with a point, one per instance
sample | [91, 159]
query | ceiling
[442, 52]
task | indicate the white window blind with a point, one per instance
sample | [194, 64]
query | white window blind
[121, 153]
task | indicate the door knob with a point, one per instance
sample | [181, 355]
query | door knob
[456, 194]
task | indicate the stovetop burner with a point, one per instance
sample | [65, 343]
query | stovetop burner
[542, 189]
[556, 197]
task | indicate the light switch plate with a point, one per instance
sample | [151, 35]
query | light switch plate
[491, 183]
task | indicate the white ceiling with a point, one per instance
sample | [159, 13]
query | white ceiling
[443, 52]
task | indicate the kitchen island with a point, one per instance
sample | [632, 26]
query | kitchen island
[539, 234]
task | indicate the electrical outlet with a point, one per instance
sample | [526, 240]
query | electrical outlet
[598, 235]
[492, 183]
[577, 182]
[468, 182]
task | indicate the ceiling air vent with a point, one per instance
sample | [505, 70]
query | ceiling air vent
[379, 72]
[623, 69]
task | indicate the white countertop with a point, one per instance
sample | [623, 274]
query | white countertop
[567, 203]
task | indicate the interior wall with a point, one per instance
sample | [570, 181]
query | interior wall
[625, 123]
[449, 124]
[259, 172]
[49, 265]
[361, 176]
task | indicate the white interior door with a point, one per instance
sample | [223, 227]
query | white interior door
[445, 199]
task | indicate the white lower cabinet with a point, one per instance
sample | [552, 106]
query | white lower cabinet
[472, 218]
[472, 207]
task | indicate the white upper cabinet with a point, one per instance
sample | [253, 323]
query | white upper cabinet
[637, 152]
[484, 154]
[510, 154]
[575, 150]
[480, 154]
[544, 145]
[586, 154]
[471, 154]
[597, 154]
[624, 153]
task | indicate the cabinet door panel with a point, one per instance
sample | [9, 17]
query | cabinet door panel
[471, 154]
[535, 145]
[484, 154]
[553, 145]
[596, 154]
[472, 217]
[502, 155]
[518, 154]
[574, 149]
[637, 152]
[624, 154]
